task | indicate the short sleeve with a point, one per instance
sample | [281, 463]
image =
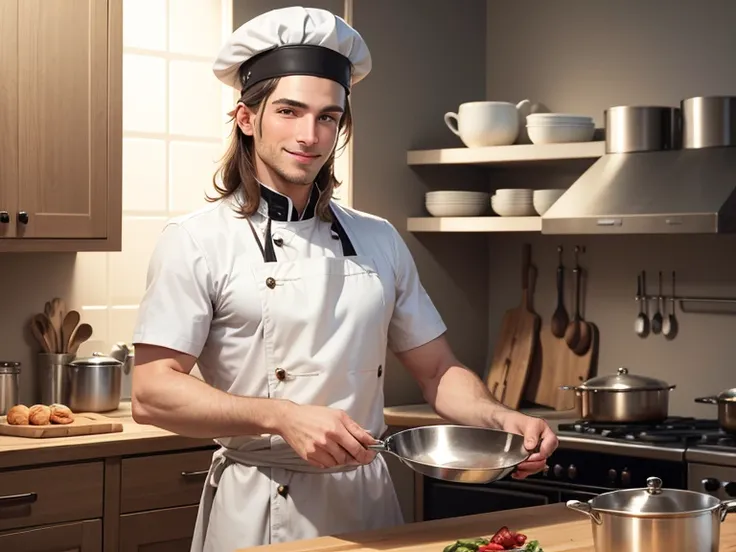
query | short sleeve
[415, 320]
[176, 309]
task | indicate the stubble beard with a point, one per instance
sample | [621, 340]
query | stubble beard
[269, 157]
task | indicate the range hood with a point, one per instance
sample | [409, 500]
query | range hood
[684, 191]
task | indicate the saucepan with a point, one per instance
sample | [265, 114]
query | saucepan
[462, 454]
[655, 519]
[726, 401]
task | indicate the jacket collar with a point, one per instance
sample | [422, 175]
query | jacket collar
[279, 207]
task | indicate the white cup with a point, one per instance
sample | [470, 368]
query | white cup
[480, 124]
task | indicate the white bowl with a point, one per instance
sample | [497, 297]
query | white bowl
[514, 192]
[544, 199]
[506, 209]
[544, 119]
[559, 134]
[456, 209]
[457, 194]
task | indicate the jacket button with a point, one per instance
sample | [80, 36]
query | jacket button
[278, 241]
[270, 282]
[380, 370]
[283, 490]
[280, 374]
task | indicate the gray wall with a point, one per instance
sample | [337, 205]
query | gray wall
[581, 56]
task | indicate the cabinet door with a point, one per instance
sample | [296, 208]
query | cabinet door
[62, 118]
[8, 113]
[84, 536]
[169, 530]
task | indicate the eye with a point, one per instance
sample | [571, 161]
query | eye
[328, 118]
[285, 111]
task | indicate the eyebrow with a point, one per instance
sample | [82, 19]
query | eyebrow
[302, 105]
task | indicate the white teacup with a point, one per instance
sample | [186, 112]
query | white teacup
[480, 124]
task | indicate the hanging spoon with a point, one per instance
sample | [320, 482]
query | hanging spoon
[560, 318]
[669, 329]
[641, 325]
[657, 318]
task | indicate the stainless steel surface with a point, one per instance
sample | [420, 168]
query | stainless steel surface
[622, 398]
[642, 128]
[621, 447]
[684, 191]
[53, 377]
[94, 384]
[712, 456]
[655, 519]
[718, 481]
[9, 385]
[726, 403]
[457, 453]
[708, 122]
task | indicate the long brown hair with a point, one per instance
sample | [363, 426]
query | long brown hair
[238, 164]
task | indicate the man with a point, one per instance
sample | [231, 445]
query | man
[287, 302]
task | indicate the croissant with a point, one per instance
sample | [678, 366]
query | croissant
[61, 414]
[18, 415]
[39, 414]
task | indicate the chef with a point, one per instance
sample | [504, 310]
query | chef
[287, 302]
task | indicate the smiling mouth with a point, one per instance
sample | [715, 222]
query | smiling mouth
[303, 155]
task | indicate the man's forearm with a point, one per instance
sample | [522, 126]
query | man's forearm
[188, 406]
[459, 395]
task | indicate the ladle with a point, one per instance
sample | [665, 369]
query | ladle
[641, 325]
[560, 318]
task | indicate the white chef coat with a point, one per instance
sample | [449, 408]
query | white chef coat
[206, 297]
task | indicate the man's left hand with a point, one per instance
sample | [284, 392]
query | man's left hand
[533, 429]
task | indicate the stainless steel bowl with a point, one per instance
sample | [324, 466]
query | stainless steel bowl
[457, 453]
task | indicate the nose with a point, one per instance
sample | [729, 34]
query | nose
[307, 131]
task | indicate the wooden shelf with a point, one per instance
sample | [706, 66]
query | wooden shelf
[498, 155]
[475, 224]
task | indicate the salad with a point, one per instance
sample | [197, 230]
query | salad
[503, 539]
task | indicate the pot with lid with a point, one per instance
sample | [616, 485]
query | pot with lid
[726, 401]
[94, 383]
[622, 397]
[655, 519]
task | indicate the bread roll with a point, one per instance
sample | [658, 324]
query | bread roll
[18, 415]
[39, 414]
[61, 414]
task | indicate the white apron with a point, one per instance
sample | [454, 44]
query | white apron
[325, 341]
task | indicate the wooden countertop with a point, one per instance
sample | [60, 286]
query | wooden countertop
[412, 415]
[557, 529]
[134, 439]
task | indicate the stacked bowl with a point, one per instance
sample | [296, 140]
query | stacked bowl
[558, 128]
[452, 203]
[513, 203]
[544, 199]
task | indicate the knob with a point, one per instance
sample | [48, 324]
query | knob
[730, 488]
[711, 485]
[23, 217]
[557, 470]
[626, 477]
[572, 471]
[4, 217]
[546, 471]
[612, 475]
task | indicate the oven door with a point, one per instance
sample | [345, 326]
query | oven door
[444, 500]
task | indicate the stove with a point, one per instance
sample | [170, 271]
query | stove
[681, 430]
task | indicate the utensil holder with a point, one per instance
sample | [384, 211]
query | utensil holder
[53, 377]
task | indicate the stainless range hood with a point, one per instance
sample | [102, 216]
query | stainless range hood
[687, 191]
[665, 171]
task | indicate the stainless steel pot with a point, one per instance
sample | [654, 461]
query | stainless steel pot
[9, 385]
[622, 398]
[655, 519]
[726, 401]
[631, 128]
[708, 122]
[94, 384]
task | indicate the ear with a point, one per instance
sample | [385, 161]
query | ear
[246, 119]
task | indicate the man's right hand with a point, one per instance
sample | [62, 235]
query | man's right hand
[326, 437]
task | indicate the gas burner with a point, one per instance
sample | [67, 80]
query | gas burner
[673, 430]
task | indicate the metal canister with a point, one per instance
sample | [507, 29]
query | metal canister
[631, 128]
[9, 385]
[708, 122]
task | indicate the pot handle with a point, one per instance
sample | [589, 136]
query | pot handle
[727, 507]
[568, 387]
[586, 508]
[707, 400]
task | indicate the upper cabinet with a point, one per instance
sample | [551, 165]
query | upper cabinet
[60, 125]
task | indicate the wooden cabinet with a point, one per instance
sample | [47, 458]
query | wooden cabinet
[84, 536]
[169, 530]
[60, 125]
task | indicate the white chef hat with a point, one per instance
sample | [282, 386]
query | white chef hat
[293, 41]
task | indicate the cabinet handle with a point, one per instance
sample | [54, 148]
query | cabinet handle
[17, 500]
[4, 217]
[23, 217]
[194, 473]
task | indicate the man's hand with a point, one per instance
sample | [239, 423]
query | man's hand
[326, 437]
[533, 430]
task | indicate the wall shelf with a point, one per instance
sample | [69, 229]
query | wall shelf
[500, 155]
[474, 224]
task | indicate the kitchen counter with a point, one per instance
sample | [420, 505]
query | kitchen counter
[557, 529]
[134, 439]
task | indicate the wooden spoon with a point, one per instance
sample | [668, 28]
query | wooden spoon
[560, 318]
[38, 329]
[67, 328]
[80, 334]
[572, 333]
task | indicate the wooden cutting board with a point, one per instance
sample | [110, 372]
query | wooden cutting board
[86, 423]
[555, 365]
[514, 350]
